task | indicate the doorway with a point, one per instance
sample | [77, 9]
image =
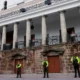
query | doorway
[32, 36]
[9, 37]
[54, 64]
[69, 31]
[32, 39]
[9, 40]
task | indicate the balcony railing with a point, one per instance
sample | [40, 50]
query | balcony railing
[52, 40]
[21, 44]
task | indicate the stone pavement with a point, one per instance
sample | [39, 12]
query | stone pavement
[53, 76]
[39, 78]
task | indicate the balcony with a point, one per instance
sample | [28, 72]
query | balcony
[52, 40]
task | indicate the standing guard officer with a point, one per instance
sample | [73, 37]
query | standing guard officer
[75, 61]
[45, 67]
[18, 66]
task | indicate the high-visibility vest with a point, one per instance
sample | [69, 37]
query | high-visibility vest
[76, 58]
[46, 63]
[18, 66]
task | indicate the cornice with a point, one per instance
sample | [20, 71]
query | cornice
[44, 10]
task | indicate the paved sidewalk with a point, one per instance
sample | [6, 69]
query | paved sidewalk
[39, 78]
[54, 76]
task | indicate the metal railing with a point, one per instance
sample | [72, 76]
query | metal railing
[52, 40]
[77, 37]
[21, 44]
[49, 41]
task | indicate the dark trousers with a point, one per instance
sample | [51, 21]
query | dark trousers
[73, 39]
[19, 72]
[76, 69]
[46, 72]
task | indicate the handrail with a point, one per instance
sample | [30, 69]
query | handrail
[52, 40]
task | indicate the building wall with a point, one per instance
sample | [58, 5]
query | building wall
[33, 61]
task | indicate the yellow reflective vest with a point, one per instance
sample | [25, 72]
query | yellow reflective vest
[46, 63]
[18, 66]
[76, 58]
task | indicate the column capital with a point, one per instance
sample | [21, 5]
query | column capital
[5, 25]
[16, 23]
[45, 16]
[64, 11]
[28, 20]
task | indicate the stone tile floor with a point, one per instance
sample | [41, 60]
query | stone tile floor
[39, 77]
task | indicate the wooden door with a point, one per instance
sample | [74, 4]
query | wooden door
[16, 61]
[54, 64]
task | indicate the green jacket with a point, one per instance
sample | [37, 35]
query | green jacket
[18, 66]
[76, 58]
[46, 63]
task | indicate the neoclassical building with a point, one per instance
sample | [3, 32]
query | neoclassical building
[33, 30]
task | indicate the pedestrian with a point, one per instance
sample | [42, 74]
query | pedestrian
[73, 35]
[45, 67]
[75, 61]
[18, 66]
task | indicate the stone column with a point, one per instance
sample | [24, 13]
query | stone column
[63, 27]
[3, 37]
[44, 30]
[28, 33]
[15, 35]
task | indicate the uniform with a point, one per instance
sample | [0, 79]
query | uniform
[45, 68]
[18, 66]
[75, 60]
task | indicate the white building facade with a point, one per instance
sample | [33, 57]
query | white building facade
[42, 26]
[56, 21]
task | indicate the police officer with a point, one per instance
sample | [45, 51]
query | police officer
[45, 67]
[18, 66]
[75, 61]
